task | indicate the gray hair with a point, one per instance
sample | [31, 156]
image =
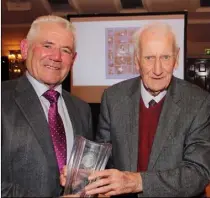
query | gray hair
[47, 19]
[163, 27]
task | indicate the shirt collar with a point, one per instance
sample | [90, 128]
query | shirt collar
[147, 97]
[41, 88]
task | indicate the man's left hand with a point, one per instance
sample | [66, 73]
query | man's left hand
[114, 182]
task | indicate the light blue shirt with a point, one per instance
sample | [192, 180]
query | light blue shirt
[41, 88]
[147, 97]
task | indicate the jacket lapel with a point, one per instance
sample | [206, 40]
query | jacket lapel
[73, 114]
[133, 106]
[167, 121]
[31, 108]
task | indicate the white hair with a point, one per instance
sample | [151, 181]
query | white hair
[160, 27]
[48, 19]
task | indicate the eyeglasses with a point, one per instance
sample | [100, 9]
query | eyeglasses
[164, 59]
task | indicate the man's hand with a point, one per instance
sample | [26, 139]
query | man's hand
[63, 183]
[114, 182]
[63, 176]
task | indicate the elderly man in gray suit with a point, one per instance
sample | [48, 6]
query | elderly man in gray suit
[160, 148]
[39, 119]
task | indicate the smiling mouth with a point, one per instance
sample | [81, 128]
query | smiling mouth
[157, 78]
[52, 67]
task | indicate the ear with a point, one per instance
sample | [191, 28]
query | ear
[24, 45]
[177, 59]
[73, 59]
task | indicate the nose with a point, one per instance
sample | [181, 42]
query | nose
[56, 55]
[157, 70]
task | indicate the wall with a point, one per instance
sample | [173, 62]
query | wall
[11, 38]
[197, 49]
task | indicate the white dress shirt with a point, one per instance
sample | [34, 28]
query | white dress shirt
[41, 88]
[147, 97]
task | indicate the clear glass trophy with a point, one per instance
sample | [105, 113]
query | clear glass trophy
[86, 157]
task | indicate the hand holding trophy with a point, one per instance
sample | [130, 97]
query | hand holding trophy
[86, 157]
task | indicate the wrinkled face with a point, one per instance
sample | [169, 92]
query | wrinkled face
[49, 56]
[156, 61]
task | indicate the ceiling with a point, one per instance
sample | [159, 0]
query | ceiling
[25, 11]
[21, 13]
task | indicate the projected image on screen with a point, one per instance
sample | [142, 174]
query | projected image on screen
[120, 53]
[105, 50]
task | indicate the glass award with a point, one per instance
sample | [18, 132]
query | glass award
[86, 157]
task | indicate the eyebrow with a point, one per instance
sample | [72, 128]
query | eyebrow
[67, 47]
[152, 54]
[48, 42]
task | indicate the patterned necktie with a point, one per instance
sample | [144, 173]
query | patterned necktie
[56, 127]
[152, 103]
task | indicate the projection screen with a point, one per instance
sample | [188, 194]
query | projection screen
[105, 49]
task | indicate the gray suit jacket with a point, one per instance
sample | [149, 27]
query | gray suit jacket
[179, 163]
[29, 167]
